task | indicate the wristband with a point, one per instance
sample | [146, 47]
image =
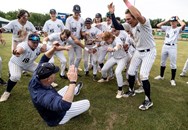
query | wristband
[72, 82]
[85, 48]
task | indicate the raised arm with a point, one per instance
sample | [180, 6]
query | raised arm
[116, 24]
[135, 12]
[162, 23]
[181, 23]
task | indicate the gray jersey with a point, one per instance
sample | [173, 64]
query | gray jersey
[28, 57]
[172, 34]
[143, 37]
[53, 26]
[20, 33]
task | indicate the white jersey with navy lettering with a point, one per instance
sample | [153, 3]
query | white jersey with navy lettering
[20, 32]
[142, 36]
[28, 57]
[172, 34]
[120, 53]
[75, 26]
[53, 26]
[55, 37]
[93, 32]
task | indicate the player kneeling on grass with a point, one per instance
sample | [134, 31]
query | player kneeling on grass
[54, 107]
[118, 56]
[23, 58]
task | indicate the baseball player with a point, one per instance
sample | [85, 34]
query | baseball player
[23, 59]
[61, 38]
[21, 28]
[91, 37]
[145, 52]
[76, 25]
[53, 25]
[170, 46]
[108, 22]
[119, 57]
[185, 68]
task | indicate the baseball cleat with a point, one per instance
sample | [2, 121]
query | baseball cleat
[119, 94]
[172, 82]
[159, 78]
[4, 96]
[139, 90]
[182, 74]
[94, 78]
[129, 93]
[102, 80]
[110, 78]
[146, 105]
[79, 86]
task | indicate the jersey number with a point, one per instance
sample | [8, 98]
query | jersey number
[26, 60]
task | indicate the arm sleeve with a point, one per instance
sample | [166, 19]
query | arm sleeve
[117, 25]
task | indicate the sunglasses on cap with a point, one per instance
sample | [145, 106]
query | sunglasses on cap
[34, 38]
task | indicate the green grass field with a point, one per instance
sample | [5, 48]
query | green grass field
[170, 110]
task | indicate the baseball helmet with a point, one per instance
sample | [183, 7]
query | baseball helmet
[108, 15]
[76, 9]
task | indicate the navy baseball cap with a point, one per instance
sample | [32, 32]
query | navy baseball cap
[98, 15]
[52, 11]
[34, 38]
[46, 69]
[173, 18]
[88, 21]
[76, 9]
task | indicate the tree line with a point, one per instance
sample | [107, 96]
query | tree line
[39, 19]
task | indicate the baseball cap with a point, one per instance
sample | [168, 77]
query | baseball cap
[52, 11]
[98, 15]
[88, 20]
[173, 18]
[34, 38]
[108, 15]
[46, 69]
[76, 9]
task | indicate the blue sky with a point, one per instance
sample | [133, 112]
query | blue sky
[149, 8]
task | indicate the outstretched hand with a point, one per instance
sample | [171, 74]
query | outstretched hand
[111, 8]
[72, 73]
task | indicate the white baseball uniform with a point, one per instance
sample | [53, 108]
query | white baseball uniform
[60, 54]
[118, 57]
[145, 53]
[53, 26]
[76, 27]
[170, 45]
[20, 32]
[93, 32]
